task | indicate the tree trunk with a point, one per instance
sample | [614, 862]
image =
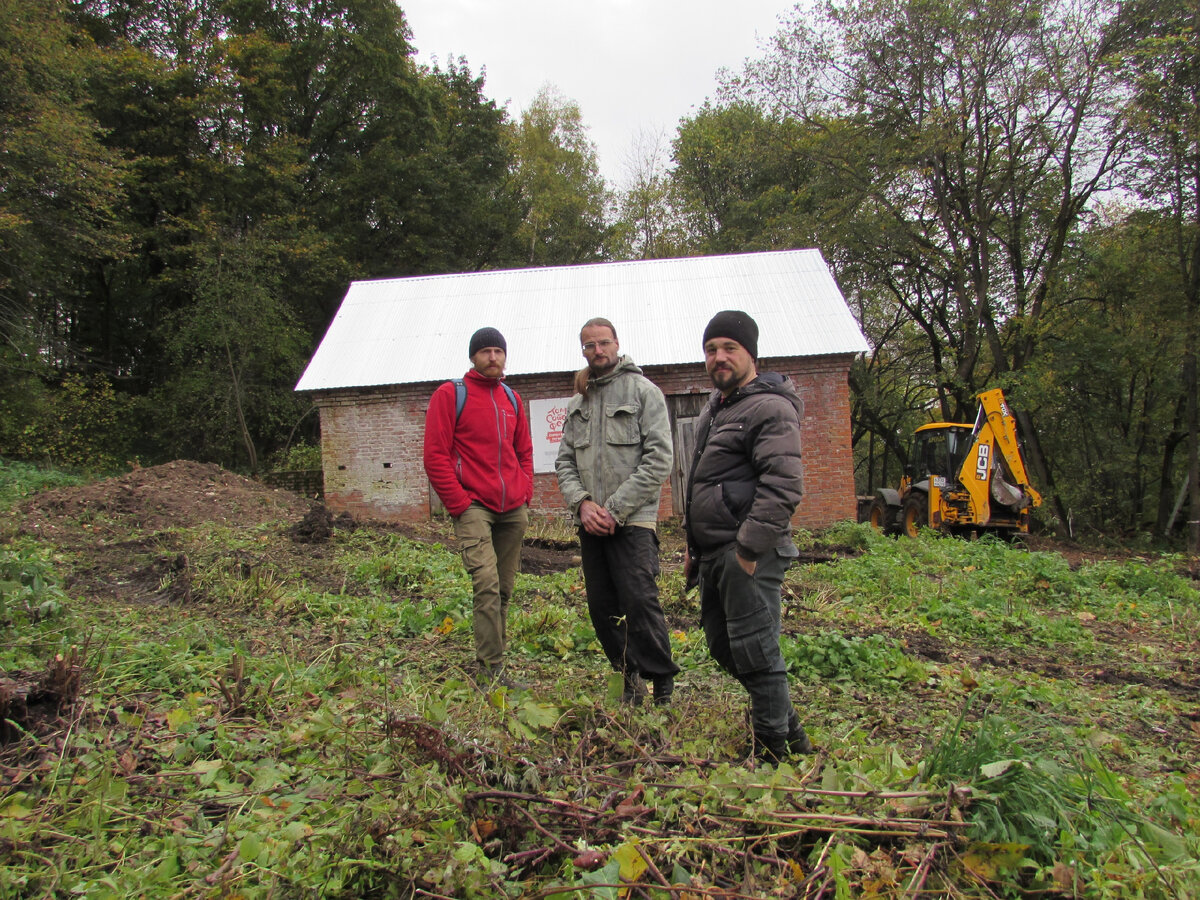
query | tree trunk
[1193, 426]
[241, 413]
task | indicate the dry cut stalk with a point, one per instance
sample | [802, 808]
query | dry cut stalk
[918, 880]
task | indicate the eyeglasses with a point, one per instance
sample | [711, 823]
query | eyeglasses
[591, 346]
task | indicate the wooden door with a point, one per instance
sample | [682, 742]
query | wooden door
[684, 409]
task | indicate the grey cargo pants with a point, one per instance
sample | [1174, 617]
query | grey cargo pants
[741, 618]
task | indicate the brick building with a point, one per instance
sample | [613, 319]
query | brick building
[393, 341]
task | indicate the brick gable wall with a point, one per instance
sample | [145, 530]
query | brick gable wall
[372, 438]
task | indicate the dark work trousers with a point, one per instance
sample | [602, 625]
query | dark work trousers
[619, 571]
[741, 618]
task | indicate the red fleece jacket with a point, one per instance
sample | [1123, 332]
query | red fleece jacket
[487, 456]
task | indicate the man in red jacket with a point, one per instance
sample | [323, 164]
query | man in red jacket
[479, 459]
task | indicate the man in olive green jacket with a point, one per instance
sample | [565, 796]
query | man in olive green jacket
[613, 459]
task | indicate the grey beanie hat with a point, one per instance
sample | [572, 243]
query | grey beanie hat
[735, 324]
[486, 337]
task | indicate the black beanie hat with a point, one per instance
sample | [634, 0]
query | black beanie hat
[735, 324]
[486, 337]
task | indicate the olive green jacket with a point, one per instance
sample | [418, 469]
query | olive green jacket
[616, 446]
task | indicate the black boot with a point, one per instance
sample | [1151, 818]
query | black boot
[770, 748]
[664, 687]
[798, 743]
[635, 689]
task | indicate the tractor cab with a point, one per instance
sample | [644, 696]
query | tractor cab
[937, 451]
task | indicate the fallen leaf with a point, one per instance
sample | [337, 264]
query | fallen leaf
[589, 860]
[482, 829]
[991, 860]
[632, 863]
[1065, 878]
[127, 763]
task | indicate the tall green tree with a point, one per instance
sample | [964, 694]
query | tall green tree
[972, 136]
[557, 177]
[744, 179]
[59, 184]
[302, 129]
[165, 97]
[60, 189]
[1108, 376]
[474, 209]
[1164, 167]
[234, 352]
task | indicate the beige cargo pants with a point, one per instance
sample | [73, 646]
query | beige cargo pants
[490, 544]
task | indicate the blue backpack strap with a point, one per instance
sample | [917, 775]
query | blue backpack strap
[512, 398]
[460, 397]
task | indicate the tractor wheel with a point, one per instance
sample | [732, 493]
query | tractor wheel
[881, 517]
[914, 514]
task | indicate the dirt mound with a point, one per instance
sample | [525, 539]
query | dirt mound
[318, 525]
[178, 494]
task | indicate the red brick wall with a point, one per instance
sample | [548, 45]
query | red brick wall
[371, 441]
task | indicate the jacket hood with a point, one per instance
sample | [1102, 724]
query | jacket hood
[765, 383]
[624, 364]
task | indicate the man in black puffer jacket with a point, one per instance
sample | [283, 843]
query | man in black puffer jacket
[744, 487]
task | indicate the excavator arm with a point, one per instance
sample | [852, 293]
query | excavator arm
[993, 407]
[993, 485]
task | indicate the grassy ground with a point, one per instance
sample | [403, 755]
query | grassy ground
[244, 708]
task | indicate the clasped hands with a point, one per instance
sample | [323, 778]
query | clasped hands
[596, 519]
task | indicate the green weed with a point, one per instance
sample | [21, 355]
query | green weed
[19, 480]
[1050, 804]
[832, 656]
[302, 456]
[31, 603]
[280, 731]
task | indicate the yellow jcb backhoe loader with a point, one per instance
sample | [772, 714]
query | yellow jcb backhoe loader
[961, 478]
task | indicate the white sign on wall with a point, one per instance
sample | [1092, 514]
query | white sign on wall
[546, 418]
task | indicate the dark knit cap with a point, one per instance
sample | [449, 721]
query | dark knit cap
[735, 324]
[486, 337]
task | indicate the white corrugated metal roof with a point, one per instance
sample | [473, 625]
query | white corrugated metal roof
[404, 330]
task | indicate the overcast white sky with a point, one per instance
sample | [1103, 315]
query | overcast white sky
[631, 65]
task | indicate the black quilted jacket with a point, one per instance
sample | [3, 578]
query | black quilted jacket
[745, 478]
